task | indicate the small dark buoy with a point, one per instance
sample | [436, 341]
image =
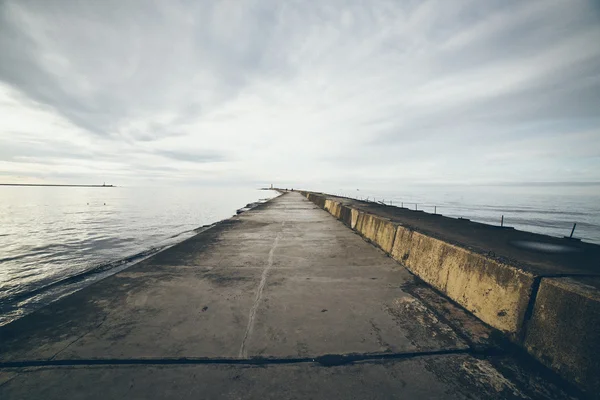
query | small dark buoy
[104, 203]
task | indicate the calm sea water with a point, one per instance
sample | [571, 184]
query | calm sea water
[549, 210]
[54, 240]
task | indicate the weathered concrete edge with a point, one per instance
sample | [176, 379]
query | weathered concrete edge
[496, 292]
[563, 330]
[501, 295]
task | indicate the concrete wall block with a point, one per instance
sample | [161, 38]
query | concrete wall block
[318, 199]
[346, 215]
[354, 217]
[564, 330]
[496, 293]
[416, 252]
[334, 207]
[338, 210]
[379, 230]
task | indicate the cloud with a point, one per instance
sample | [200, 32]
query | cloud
[309, 94]
[195, 157]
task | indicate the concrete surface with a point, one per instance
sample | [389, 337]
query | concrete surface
[427, 377]
[282, 301]
[495, 274]
[564, 330]
[497, 293]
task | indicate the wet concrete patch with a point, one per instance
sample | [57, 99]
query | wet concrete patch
[421, 326]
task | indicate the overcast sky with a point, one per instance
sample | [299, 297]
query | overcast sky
[299, 92]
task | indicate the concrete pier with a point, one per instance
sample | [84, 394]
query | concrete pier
[541, 292]
[283, 301]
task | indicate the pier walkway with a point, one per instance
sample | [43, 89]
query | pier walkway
[283, 301]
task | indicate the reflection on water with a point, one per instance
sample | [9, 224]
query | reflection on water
[51, 235]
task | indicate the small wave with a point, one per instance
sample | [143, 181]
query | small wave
[82, 275]
[182, 233]
[22, 256]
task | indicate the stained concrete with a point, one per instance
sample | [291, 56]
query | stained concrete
[428, 377]
[377, 229]
[501, 286]
[496, 292]
[563, 331]
[243, 309]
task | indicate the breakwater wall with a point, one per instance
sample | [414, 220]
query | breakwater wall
[543, 293]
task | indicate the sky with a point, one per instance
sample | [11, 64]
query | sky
[300, 93]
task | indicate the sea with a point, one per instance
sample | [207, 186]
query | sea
[56, 240]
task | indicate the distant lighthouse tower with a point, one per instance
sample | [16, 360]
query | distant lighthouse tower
[271, 186]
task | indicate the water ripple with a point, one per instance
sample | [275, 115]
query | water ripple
[55, 240]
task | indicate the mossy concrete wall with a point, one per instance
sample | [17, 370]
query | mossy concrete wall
[333, 207]
[496, 293]
[559, 324]
[377, 229]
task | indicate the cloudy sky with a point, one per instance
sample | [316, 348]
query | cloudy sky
[299, 92]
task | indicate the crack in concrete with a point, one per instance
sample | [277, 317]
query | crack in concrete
[11, 378]
[79, 338]
[259, 292]
[378, 336]
[327, 360]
